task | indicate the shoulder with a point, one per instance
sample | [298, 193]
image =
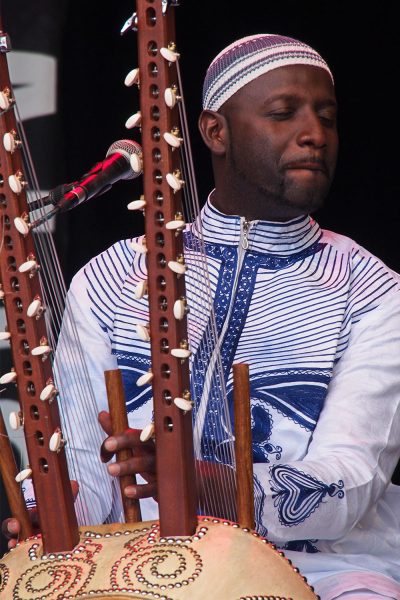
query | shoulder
[107, 282]
[372, 286]
[357, 254]
[110, 268]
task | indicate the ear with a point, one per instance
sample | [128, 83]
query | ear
[214, 131]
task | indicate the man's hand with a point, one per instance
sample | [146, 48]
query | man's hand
[11, 528]
[216, 482]
[143, 461]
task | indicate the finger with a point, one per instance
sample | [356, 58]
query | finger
[130, 438]
[12, 543]
[105, 455]
[113, 444]
[105, 421]
[131, 466]
[146, 490]
[75, 488]
[10, 528]
[13, 527]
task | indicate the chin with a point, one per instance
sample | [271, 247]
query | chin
[305, 205]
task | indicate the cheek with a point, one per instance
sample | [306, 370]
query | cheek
[255, 149]
[266, 155]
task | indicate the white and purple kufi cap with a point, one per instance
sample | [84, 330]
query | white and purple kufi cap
[248, 58]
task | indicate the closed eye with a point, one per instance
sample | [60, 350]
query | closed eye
[328, 119]
[281, 115]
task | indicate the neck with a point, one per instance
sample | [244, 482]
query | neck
[253, 206]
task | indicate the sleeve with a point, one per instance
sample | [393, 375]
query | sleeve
[355, 445]
[83, 354]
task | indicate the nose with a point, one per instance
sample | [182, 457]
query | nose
[312, 131]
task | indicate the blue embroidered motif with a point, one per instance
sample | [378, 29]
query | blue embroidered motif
[132, 367]
[301, 401]
[259, 503]
[301, 546]
[261, 426]
[297, 494]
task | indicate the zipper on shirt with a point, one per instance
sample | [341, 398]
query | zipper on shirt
[243, 245]
[244, 234]
[245, 227]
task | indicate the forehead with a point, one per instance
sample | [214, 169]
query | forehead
[299, 80]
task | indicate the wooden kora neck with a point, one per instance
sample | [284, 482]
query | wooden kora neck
[21, 283]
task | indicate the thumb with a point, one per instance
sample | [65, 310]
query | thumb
[105, 422]
[75, 488]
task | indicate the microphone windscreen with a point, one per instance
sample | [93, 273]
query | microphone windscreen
[126, 148]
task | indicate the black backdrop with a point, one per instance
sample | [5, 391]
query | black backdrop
[359, 42]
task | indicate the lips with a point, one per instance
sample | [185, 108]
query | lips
[306, 165]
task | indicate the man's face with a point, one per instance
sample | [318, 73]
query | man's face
[283, 140]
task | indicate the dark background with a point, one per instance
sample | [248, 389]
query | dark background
[360, 45]
[358, 41]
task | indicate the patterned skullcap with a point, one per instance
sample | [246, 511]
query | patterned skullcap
[248, 58]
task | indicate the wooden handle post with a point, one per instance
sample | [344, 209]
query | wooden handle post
[243, 446]
[8, 471]
[119, 421]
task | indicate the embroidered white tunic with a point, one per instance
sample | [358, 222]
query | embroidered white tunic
[317, 318]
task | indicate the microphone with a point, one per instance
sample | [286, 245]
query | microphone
[100, 178]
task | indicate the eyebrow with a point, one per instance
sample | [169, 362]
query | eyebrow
[295, 98]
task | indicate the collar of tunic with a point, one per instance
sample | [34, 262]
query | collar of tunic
[279, 238]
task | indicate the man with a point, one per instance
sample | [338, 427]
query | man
[316, 317]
